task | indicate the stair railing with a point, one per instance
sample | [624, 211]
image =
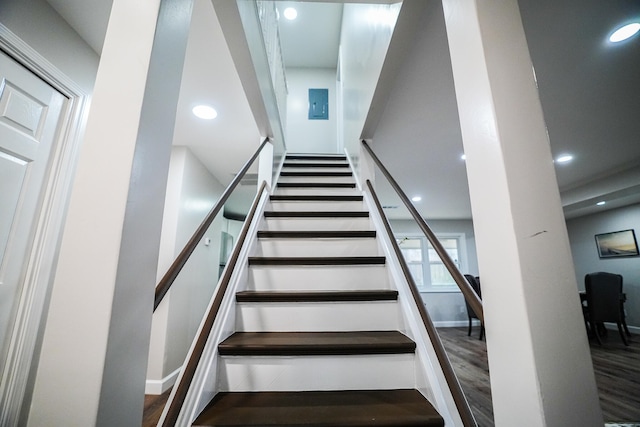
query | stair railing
[172, 273]
[178, 395]
[467, 291]
[452, 380]
[469, 294]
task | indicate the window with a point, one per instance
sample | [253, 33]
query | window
[411, 248]
[427, 269]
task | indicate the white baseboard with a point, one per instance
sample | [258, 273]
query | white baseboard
[160, 386]
[454, 323]
[614, 327]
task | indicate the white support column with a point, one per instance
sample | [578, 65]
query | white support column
[539, 360]
[92, 365]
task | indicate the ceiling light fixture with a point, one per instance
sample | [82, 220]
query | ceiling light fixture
[205, 112]
[290, 13]
[624, 32]
[601, 203]
[416, 198]
[463, 157]
[565, 158]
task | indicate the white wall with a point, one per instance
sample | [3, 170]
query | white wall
[445, 308]
[363, 45]
[191, 193]
[304, 135]
[585, 255]
[38, 25]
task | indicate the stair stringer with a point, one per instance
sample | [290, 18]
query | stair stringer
[204, 384]
[430, 378]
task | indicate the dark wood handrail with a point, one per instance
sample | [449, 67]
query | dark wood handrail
[170, 276]
[452, 381]
[181, 388]
[467, 291]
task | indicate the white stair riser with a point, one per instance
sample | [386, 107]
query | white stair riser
[318, 316]
[316, 206]
[317, 247]
[311, 278]
[239, 373]
[347, 179]
[299, 191]
[297, 224]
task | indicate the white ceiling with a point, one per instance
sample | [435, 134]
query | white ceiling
[590, 91]
[312, 39]
[209, 77]
[589, 88]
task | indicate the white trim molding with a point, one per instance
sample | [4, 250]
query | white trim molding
[614, 327]
[22, 356]
[160, 386]
[455, 323]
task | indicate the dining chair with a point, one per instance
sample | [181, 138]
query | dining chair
[475, 284]
[605, 299]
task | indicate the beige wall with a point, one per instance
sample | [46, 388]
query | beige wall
[191, 192]
[36, 31]
[585, 256]
[38, 25]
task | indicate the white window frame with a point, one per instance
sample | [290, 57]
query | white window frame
[426, 262]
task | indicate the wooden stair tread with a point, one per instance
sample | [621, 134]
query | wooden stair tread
[315, 173]
[315, 343]
[313, 234]
[389, 408]
[351, 260]
[316, 214]
[317, 296]
[316, 185]
[315, 198]
[314, 165]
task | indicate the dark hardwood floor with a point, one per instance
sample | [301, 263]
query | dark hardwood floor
[153, 406]
[617, 370]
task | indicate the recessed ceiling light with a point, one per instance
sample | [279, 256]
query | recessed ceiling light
[416, 198]
[565, 158]
[205, 112]
[624, 32]
[463, 157]
[290, 13]
[601, 203]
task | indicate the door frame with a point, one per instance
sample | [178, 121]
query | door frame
[26, 335]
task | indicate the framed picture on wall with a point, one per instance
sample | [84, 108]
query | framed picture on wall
[617, 244]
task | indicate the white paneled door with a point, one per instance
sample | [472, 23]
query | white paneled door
[31, 114]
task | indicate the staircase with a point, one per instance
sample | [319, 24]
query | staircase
[318, 335]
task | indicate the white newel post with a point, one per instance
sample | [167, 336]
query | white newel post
[539, 360]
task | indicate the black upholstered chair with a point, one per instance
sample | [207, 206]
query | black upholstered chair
[475, 284]
[605, 299]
